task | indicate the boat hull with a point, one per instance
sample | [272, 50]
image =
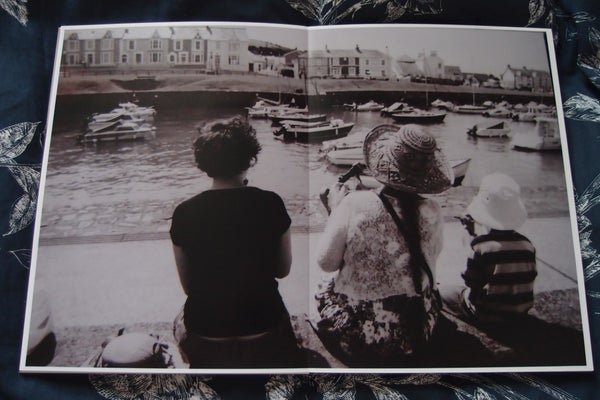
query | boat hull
[469, 109]
[316, 134]
[408, 118]
[112, 136]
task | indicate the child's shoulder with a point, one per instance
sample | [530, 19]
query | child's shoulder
[500, 236]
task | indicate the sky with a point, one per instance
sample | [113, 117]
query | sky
[473, 50]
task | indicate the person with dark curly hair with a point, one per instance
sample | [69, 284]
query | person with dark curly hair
[231, 243]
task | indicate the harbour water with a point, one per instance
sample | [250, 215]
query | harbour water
[161, 172]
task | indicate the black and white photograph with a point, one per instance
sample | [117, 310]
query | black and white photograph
[260, 198]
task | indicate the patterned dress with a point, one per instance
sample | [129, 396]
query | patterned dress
[372, 310]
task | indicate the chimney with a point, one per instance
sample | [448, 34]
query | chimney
[327, 49]
[358, 49]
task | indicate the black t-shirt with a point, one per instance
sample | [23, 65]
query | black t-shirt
[231, 238]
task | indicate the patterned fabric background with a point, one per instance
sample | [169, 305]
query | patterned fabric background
[27, 43]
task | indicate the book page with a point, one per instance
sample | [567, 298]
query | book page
[155, 252]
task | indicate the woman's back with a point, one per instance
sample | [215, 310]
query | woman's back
[376, 256]
[231, 237]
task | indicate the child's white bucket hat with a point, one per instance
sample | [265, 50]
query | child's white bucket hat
[498, 204]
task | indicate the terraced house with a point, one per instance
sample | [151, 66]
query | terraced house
[217, 49]
[346, 63]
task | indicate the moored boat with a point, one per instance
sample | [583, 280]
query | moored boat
[395, 108]
[442, 105]
[469, 109]
[498, 112]
[298, 116]
[370, 105]
[493, 129]
[313, 131]
[546, 136]
[119, 131]
[347, 157]
[420, 117]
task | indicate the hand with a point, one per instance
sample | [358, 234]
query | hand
[333, 195]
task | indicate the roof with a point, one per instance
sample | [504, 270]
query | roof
[528, 72]
[406, 59]
[328, 53]
[90, 34]
[164, 32]
[452, 70]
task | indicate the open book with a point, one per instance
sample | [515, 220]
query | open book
[128, 101]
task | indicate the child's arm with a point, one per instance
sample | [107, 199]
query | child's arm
[478, 272]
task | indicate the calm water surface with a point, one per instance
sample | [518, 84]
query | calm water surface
[163, 169]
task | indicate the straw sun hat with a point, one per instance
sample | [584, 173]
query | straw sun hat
[406, 159]
[498, 203]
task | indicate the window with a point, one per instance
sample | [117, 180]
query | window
[197, 57]
[155, 57]
[124, 59]
[234, 46]
[131, 44]
[382, 62]
[197, 45]
[139, 58]
[107, 57]
[366, 62]
[73, 59]
[89, 45]
[107, 44]
[155, 44]
[356, 61]
[172, 58]
[178, 45]
[89, 58]
[183, 58]
[234, 60]
[343, 60]
[72, 45]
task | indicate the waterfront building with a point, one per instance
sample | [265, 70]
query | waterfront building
[526, 79]
[346, 63]
[202, 48]
[92, 48]
[406, 67]
[453, 73]
[431, 65]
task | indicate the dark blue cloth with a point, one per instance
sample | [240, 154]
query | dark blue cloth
[27, 55]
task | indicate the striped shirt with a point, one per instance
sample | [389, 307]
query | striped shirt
[501, 272]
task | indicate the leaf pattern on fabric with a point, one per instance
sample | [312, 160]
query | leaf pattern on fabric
[23, 257]
[13, 142]
[329, 12]
[583, 108]
[589, 62]
[537, 9]
[15, 139]
[391, 387]
[16, 8]
[283, 386]
[581, 17]
[584, 202]
[150, 387]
